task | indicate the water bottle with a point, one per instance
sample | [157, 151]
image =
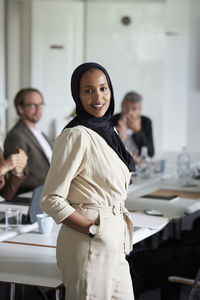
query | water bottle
[144, 168]
[183, 167]
[144, 153]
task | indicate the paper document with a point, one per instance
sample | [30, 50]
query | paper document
[140, 219]
[27, 228]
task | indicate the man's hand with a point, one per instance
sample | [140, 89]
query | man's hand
[122, 128]
[134, 122]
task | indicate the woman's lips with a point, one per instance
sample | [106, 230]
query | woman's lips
[98, 106]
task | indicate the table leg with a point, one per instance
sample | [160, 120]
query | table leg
[59, 293]
[12, 291]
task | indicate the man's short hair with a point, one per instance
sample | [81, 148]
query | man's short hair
[21, 96]
[133, 97]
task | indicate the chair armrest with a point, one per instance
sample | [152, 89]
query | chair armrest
[182, 280]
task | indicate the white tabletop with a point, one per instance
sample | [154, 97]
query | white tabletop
[170, 209]
[140, 234]
[32, 265]
[37, 238]
[50, 239]
[138, 184]
[6, 234]
[173, 184]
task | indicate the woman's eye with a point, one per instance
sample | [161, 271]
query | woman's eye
[88, 91]
[103, 89]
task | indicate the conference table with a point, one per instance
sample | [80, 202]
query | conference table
[186, 202]
[28, 257]
[181, 210]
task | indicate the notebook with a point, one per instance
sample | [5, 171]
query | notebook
[162, 195]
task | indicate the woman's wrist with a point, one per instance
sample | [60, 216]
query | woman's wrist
[3, 170]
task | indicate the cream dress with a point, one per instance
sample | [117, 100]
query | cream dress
[86, 174]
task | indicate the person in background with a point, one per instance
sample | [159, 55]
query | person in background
[134, 129]
[26, 135]
[150, 268]
[9, 183]
[85, 190]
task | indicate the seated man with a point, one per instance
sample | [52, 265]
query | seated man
[25, 135]
[151, 268]
[135, 130]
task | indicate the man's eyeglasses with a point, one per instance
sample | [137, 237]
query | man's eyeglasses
[34, 105]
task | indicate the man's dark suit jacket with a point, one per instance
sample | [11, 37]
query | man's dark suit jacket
[142, 138]
[37, 167]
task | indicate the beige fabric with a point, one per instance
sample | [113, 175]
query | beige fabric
[95, 268]
[86, 170]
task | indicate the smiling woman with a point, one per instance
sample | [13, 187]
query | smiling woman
[91, 169]
[94, 92]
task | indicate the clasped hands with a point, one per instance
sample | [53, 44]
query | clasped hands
[15, 162]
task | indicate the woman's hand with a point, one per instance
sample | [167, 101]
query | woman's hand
[21, 159]
[16, 162]
[78, 222]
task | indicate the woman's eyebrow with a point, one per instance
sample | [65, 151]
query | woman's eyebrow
[90, 86]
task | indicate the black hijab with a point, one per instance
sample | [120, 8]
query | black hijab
[100, 125]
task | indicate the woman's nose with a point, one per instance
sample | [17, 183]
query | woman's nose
[98, 95]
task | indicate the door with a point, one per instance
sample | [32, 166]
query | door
[57, 48]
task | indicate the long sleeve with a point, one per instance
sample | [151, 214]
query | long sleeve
[67, 162]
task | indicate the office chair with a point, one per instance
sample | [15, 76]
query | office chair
[195, 283]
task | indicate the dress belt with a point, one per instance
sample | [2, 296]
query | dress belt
[116, 209]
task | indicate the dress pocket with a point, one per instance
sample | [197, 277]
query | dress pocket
[100, 221]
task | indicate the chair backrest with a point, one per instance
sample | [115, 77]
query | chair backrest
[34, 208]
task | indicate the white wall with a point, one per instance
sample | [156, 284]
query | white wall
[149, 56]
[55, 54]
[176, 68]
[193, 138]
[133, 53]
[17, 52]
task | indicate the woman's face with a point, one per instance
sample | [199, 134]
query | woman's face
[94, 93]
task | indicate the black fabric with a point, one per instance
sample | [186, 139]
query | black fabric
[150, 269]
[101, 125]
[143, 137]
